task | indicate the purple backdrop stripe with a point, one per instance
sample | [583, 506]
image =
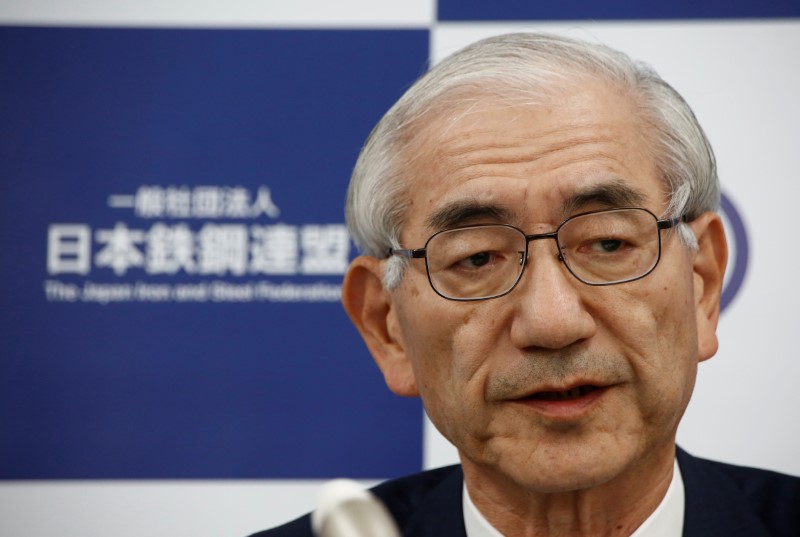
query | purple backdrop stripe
[737, 264]
[521, 10]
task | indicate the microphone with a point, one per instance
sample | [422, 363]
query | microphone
[345, 509]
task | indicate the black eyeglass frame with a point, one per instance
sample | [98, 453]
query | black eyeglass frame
[420, 253]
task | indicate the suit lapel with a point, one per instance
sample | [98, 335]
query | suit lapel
[715, 507]
[441, 512]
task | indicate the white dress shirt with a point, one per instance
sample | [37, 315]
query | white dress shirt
[665, 521]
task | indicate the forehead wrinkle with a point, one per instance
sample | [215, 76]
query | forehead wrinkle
[479, 164]
[519, 148]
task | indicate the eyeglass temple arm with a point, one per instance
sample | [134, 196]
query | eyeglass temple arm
[414, 253]
[672, 222]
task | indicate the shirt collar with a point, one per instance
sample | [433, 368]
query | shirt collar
[665, 521]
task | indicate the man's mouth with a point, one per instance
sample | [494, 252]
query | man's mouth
[572, 403]
[566, 395]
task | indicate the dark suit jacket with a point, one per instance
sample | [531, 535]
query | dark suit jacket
[722, 500]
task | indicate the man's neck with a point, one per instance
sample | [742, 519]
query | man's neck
[614, 508]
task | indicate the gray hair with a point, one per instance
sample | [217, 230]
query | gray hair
[530, 67]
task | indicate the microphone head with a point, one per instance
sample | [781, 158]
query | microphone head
[345, 509]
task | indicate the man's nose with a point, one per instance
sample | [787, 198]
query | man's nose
[549, 307]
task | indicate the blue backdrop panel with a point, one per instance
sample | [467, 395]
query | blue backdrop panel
[118, 144]
[498, 10]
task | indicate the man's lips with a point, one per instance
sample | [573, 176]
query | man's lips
[568, 403]
[564, 395]
[560, 391]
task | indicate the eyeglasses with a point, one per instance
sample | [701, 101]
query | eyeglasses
[484, 261]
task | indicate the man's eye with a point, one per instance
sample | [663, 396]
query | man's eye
[607, 246]
[477, 260]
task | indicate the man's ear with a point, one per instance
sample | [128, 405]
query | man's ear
[372, 310]
[709, 271]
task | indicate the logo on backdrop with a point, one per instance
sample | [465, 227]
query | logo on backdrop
[738, 251]
[199, 237]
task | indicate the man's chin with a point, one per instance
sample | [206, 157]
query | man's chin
[568, 471]
[568, 479]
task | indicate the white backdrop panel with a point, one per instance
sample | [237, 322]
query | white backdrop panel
[742, 81]
[231, 13]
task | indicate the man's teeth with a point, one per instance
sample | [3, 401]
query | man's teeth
[574, 393]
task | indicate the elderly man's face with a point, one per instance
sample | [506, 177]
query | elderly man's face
[498, 377]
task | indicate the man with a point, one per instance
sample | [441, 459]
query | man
[543, 268]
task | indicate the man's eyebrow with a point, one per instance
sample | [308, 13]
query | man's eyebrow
[606, 195]
[464, 212]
